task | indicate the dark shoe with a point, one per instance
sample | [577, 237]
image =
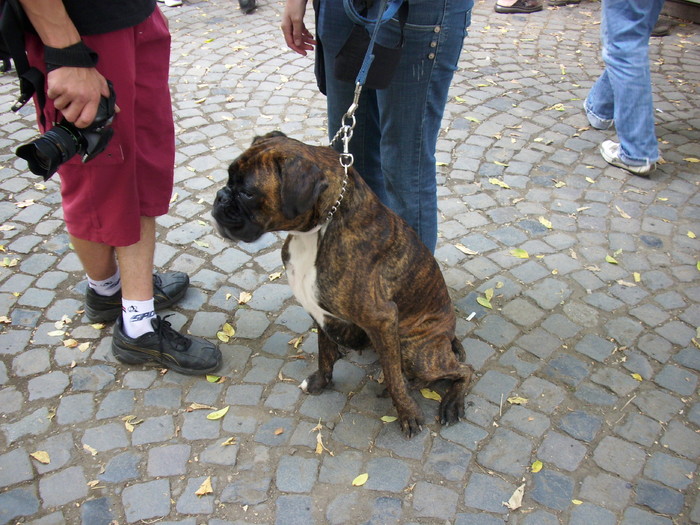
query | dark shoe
[559, 3]
[661, 28]
[185, 354]
[247, 6]
[521, 6]
[6, 65]
[168, 288]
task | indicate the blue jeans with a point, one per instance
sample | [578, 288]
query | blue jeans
[623, 94]
[397, 128]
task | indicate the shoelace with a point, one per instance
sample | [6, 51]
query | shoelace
[165, 331]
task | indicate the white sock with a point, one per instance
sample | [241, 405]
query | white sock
[136, 317]
[107, 287]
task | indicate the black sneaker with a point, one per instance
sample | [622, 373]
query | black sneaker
[168, 288]
[185, 354]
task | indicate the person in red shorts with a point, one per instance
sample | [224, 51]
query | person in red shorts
[111, 203]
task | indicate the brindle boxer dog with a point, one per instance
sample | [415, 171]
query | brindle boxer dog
[363, 275]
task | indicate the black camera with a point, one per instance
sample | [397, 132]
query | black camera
[64, 140]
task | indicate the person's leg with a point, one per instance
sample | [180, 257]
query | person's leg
[626, 27]
[334, 28]
[412, 107]
[600, 103]
[98, 259]
[136, 263]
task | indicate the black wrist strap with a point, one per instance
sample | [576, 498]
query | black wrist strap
[77, 55]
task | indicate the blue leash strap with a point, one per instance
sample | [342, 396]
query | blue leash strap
[388, 9]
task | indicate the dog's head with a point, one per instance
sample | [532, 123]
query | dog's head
[274, 185]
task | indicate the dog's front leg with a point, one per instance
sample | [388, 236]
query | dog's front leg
[385, 339]
[328, 354]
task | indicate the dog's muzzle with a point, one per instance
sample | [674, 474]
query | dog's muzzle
[232, 220]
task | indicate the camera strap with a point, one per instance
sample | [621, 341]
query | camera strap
[31, 80]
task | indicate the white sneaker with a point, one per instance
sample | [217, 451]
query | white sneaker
[610, 151]
[171, 3]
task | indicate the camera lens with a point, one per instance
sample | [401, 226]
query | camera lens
[48, 152]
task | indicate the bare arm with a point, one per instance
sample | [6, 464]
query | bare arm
[296, 35]
[75, 91]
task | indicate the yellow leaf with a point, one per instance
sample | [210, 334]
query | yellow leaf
[70, 343]
[90, 449]
[637, 277]
[498, 182]
[202, 244]
[279, 431]
[544, 222]
[691, 159]
[473, 119]
[244, 297]
[622, 213]
[41, 456]
[229, 441]
[430, 394]
[610, 259]
[228, 330]
[460, 99]
[218, 414]
[198, 406]
[576, 501]
[519, 253]
[205, 488]
[275, 276]
[465, 250]
[83, 347]
[483, 301]
[360, 480]
[517, 400]
[691, 235]
[221, 336]
[590, 180]
[174, 198]
[489, 294]
[698, 265]
[500, 164]
[637, 377]
[56, 333]
[389, 419]
[213, 379]
[5, 320]
[536, 467]
[98, 326]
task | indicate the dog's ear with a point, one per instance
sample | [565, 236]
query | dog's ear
[302, 183]
[270, 135]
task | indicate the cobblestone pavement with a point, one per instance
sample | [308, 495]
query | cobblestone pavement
[595, 330]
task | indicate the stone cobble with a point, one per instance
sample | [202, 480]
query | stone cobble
[587, 362]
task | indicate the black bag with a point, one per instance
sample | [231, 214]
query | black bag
[349, 59]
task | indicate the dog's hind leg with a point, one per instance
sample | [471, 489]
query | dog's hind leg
[458, 349]
[328, 354]
[452, 404]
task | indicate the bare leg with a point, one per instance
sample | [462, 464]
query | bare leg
[136, 263]
[97, 259]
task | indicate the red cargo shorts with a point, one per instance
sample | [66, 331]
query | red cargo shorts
[105, 198]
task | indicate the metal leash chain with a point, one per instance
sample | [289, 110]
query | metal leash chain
[347, 126]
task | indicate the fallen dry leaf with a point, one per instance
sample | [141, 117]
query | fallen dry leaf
[516, 500]
[41, 456]
[205, 488]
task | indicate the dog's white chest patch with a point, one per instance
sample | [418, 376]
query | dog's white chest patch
[301, 273]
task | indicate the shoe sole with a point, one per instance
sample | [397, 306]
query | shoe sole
[142, 357]
[107, 316]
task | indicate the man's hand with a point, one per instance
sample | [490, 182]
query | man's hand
[296, 35]
[76, 93]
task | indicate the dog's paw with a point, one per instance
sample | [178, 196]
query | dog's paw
[411, 426]
[314, 384]
[451, 409]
